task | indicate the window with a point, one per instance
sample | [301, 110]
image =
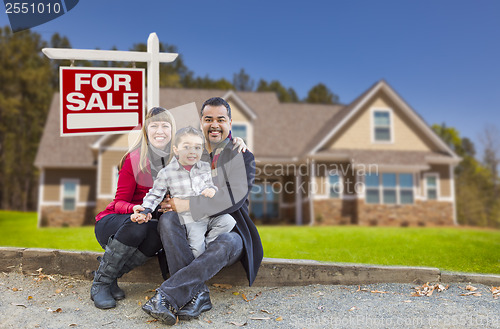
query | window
[431, 186]
[334, 184]
[389, 188]
[239, 130]
[372, 188]
[115, 173]
[264, 200]
[69, 193]
[382, 126]
[406, 188]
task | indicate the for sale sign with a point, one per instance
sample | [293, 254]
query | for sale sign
[100, 100]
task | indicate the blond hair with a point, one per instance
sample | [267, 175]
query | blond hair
[154, 115]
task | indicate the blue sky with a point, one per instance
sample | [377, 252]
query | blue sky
[442, 57]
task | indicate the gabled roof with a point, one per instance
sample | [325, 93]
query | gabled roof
[282, 131]
[338, 122]
[57, 151]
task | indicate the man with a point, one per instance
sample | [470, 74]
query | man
[185, 294]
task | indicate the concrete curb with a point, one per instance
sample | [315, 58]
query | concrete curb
[273, 271]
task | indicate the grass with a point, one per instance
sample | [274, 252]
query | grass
[450, 249]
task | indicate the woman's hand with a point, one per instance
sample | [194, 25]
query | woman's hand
[139, 218]
[239, 144]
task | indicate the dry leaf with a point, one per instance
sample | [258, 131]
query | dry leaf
[248, 300]
[222, 285]
[477, 294]
[353, 308]
[470, 288]
[208, 321]
[266, 311]
[152, 320]
[73, 325]
[30, 297]
[15, 289]
[378, 292]
[279, 319]
[495, 291]
[236, 293]
[260, 318]
[361, 289]
[58, 291]
[238, 324]
[406, 301]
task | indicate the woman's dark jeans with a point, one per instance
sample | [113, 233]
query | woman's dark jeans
[143, 236]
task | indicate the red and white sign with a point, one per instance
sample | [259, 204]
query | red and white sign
[100, 100]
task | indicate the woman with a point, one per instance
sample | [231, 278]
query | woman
[128, 243]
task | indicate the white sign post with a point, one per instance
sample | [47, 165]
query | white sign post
[153, 57]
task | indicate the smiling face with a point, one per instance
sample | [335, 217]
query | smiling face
[215, 123]
[189, 149]
[159, 134]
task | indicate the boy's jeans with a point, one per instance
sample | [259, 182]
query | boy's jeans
[187, 274]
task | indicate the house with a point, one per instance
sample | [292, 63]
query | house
[372, 162]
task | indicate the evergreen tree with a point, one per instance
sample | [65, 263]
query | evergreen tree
[26, 89]
[320, 94]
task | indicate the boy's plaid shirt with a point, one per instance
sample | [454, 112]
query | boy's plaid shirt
[180, 182]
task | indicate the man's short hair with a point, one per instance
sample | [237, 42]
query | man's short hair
[216, 101]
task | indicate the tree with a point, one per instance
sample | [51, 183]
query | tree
[26, 89]
[490, 140]
[320, 94]
[242, 81]
[474, 191]
[284, 95]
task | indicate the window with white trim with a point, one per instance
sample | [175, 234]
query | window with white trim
[334, 185]
[264, 200]
[69, 194]
[406, 188]
[389, 188]
[372, 188]
[382, 126]
[431, 186]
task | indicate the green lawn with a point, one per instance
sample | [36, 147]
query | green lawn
[451, 249]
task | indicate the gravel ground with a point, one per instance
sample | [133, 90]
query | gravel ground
[38, 301]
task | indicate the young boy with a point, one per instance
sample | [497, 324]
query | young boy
[187, 176]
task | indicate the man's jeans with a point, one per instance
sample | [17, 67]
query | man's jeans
[187, 274]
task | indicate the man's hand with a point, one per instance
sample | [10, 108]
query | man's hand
[239, 144]
[208, 192]
[179, 205]
[165, 205]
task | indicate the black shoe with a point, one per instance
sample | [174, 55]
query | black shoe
[200, 303]
[101, 295]
[159, 308]
[116, 292]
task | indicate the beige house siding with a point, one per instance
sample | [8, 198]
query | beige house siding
[443, 172]
[357, 134]
[109, 161]
[52, 187]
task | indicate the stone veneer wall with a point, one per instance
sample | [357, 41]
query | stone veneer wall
[55, 216]
[334, 212]
[422, 213]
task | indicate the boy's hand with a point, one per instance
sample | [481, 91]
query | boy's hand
[208, 192]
